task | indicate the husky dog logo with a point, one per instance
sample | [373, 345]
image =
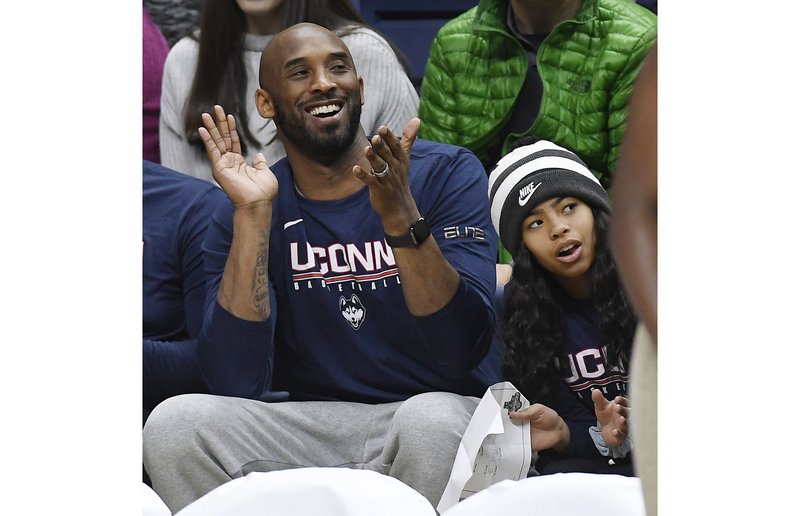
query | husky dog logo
[513, 404]
[352, 310]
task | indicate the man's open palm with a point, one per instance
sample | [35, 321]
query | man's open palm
[244, 184]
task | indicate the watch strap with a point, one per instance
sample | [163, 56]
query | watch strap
[417, 233]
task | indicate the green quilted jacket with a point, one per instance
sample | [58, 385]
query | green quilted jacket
[476, 69]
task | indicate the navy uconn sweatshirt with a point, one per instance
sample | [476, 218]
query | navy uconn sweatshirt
[589, 369]
[339, 327]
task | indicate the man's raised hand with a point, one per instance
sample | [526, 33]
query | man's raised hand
[245, 185]
[390, 193]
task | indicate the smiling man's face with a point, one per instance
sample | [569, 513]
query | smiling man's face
[312, 90]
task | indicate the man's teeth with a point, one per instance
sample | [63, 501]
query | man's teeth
[324, 110]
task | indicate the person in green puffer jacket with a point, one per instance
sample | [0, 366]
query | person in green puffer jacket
[562, 70]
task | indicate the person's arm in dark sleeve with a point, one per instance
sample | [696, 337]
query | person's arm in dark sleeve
[448, 279]
[235, 347]
[235, 355]
[192, 234]
[170, 368]
[461, 332]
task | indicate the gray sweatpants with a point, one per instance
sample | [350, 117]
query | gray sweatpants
[196, 442]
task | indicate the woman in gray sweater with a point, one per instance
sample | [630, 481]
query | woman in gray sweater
[219, 65]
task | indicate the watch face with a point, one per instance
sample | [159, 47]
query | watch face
[420, 230]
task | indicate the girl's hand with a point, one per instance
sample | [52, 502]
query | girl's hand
[612, 416]
[548, 429]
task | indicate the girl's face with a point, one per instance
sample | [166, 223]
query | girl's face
[560, 235]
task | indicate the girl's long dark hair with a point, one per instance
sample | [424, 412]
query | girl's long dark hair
[535, 360]
[221, 76]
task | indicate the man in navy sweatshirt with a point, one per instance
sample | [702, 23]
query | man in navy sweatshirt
[356, 274]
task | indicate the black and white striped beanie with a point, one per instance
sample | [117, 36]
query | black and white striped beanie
[532, 174]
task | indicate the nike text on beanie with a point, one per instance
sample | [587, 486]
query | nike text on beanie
[532, 174]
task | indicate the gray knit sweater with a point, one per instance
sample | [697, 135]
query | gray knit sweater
[389, 98]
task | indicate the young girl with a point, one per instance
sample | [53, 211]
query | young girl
[567, 324]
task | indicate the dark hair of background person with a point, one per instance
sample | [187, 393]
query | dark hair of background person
[174, 18]
[221, 75]
[533, 323]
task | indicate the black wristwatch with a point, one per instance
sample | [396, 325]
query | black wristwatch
[417, 233]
